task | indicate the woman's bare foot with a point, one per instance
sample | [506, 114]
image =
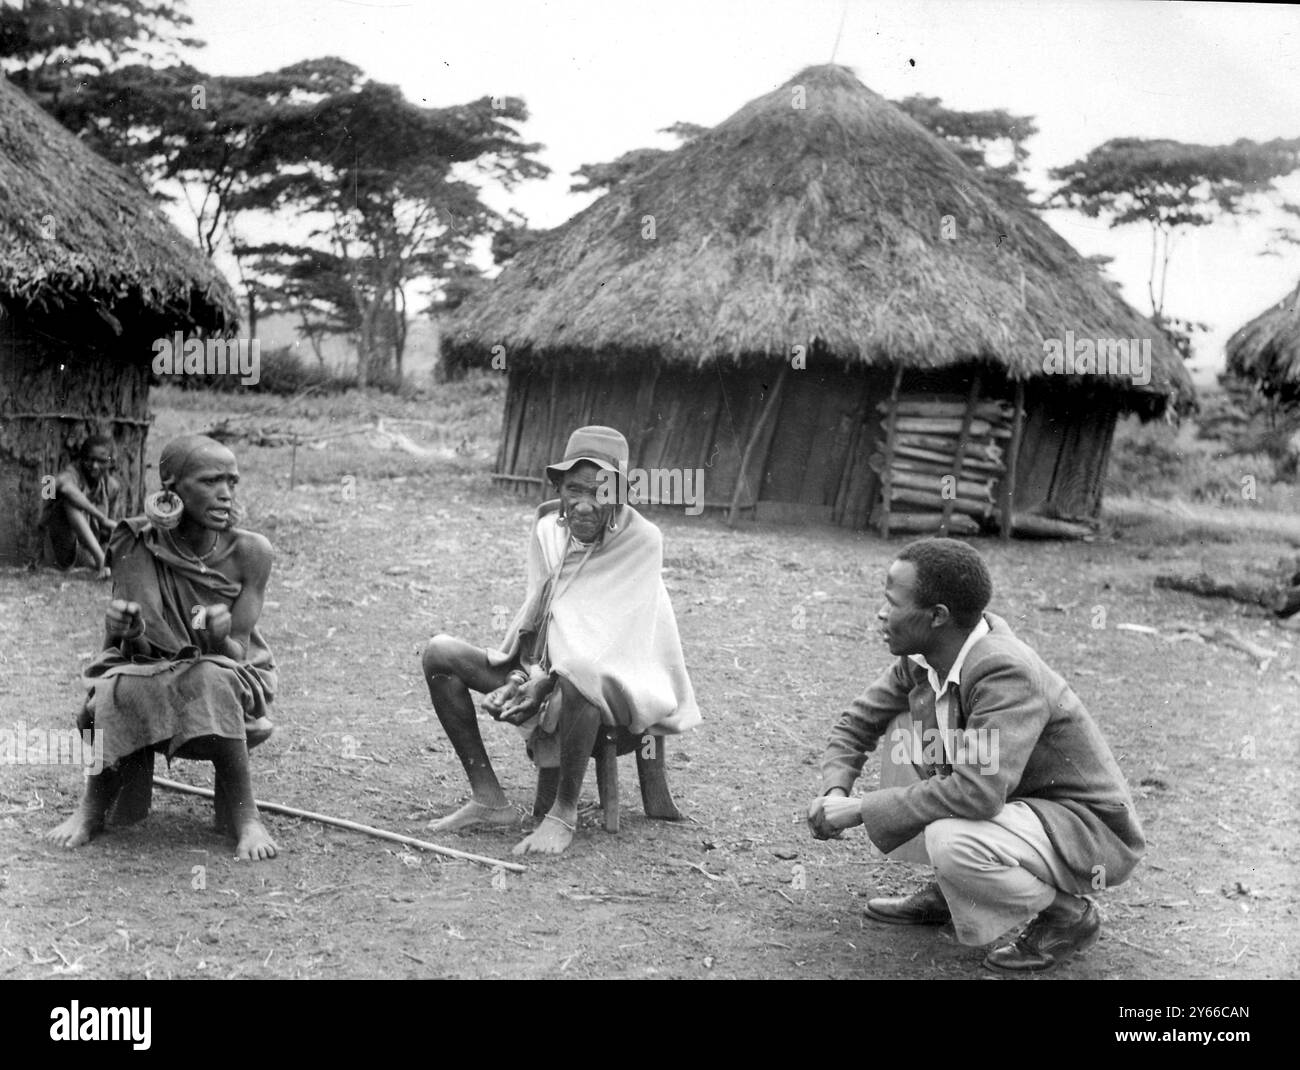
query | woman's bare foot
[551, 837]
[255, 843]
[78, 830]
[474, 813]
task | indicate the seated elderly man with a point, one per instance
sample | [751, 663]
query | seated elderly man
[595, 642]
[1022, 808]
[184, 668]
[86, 505]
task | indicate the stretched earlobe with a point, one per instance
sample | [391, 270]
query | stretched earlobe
[164, 509]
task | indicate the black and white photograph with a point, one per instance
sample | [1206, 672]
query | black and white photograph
[713, 490]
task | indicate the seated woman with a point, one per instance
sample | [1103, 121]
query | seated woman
[594, 643]
[184, 669]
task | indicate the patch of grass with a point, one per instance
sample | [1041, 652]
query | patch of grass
[1158, 461]
[459, 423]
[1179, 523]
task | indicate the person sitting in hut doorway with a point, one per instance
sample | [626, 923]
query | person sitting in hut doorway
[1021, 806]
[595, 642]
[87, 503]
[184, 668]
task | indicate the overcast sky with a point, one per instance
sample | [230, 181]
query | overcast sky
[600, 78]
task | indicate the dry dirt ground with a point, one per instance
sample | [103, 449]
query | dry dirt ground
[774, 620]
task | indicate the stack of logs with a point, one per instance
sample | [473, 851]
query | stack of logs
[936, 453]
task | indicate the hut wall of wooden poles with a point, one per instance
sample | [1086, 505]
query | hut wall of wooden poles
[58, 392]
[817, 455]
[91, 272]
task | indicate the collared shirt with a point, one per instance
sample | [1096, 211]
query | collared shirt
[942, 692]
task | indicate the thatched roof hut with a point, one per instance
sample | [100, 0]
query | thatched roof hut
[1266, 350]
[90, 273]
[818, 216]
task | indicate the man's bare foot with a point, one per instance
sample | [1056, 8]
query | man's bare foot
[551, 837]
[474, 813]
[76, 831]
[104, 573]
[255, 843]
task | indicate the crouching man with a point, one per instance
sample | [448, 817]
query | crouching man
[1021, 805]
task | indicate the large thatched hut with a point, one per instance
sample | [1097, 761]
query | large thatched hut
[1266, 350]
[766, 301]
[91, 273]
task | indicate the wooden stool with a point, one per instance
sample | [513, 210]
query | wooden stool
[656, 799]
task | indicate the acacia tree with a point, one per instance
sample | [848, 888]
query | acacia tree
[1170, 186]
[388, 182]
[52, 48]
[179, 127]
[308, 284]
[193, 137]
[972, 135]
[514, 236]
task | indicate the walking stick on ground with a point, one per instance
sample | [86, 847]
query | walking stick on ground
[343, 823]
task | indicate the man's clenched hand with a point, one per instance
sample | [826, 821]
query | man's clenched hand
[829, 815]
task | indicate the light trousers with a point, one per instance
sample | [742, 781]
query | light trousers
[995, 874]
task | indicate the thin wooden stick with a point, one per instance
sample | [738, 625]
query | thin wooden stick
[770, 404]
[343, 823]
[87, 417]
[1007, 492]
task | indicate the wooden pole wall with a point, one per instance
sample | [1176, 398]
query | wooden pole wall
[1013, 461]
[891, 438]
[962, 438]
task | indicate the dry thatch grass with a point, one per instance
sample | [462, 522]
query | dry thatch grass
[821, 225]
[1267, 349]
[74, 228]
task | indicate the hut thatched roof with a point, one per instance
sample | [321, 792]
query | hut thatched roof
[74, 229]
[1267, 349]
[787, 225]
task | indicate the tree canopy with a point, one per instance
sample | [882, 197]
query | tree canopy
[1168, 185]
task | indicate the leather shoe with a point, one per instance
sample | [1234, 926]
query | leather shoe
[926, 907]
[1046, 942]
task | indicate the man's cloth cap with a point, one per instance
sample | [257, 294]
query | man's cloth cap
[602, 446]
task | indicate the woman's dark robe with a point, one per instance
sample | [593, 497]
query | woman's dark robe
[174, 693]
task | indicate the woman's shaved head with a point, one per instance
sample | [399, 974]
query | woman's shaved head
[186, 454]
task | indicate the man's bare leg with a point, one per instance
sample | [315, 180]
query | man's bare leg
[578, 727]
[451, 668]
[88, 820]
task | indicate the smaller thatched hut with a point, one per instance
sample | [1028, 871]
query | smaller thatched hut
[1266, 351]
[91, 272]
